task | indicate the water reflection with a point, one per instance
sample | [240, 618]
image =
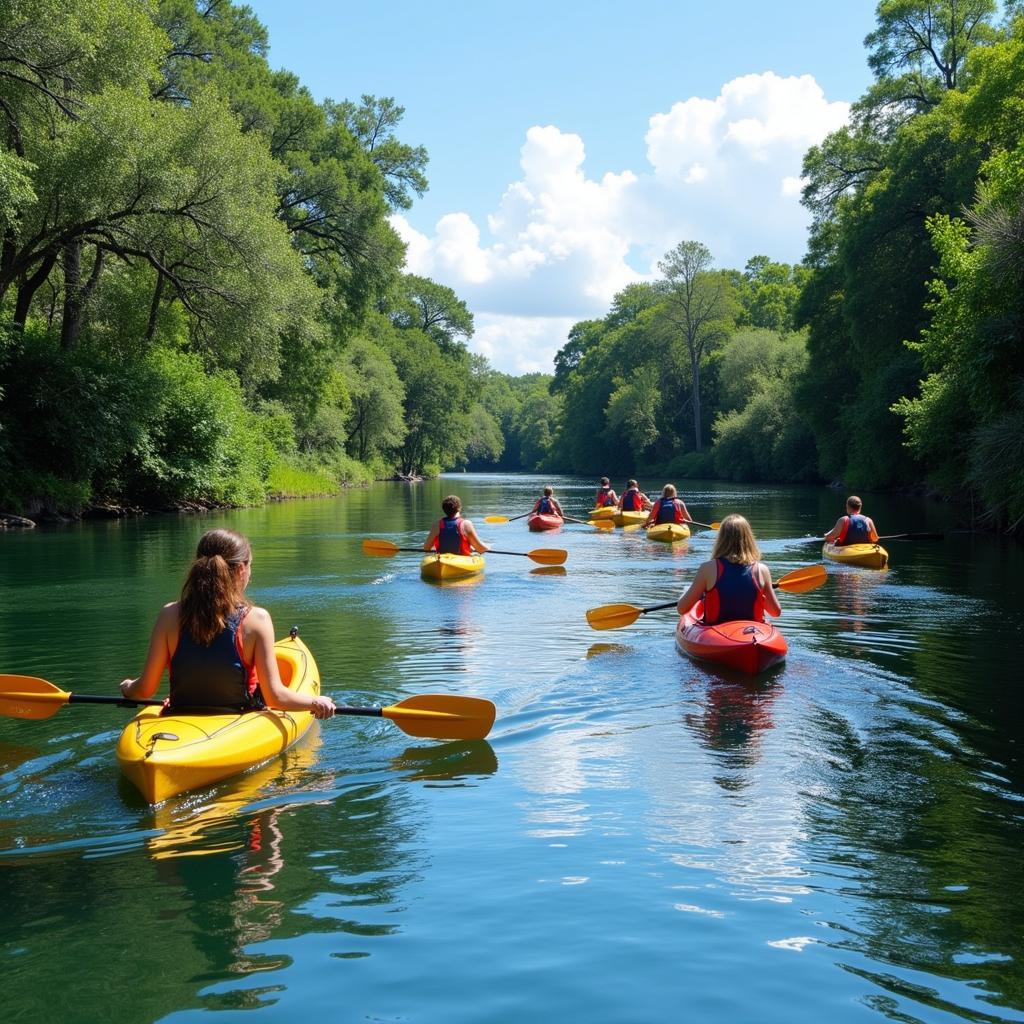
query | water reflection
[451, 762]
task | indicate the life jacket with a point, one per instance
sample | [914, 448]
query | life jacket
[451, 537]
[214, 678]
[735, 595]
[631, 501]
[855, 530]
[668, 510]
[545, 508]
[604, 497]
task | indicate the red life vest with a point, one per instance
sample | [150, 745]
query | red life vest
[604, 497]
[672, 508]
[736, 595]
[451, 537]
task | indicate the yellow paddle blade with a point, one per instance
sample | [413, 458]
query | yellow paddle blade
[800, 580]
[495, 519]
[548, 556]
[633, 527]
[601, 524]
[29, 697]
[613, 616]
[381, 548]
[442, 716]
[715, 526]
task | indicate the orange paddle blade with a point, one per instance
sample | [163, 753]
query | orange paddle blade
[30, 697]
[613, 616]
[602, 524]
[548, 556]
[381, 548]
[442, 716]
[800, 580]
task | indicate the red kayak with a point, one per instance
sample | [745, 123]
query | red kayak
[742, 645]
[538, 521]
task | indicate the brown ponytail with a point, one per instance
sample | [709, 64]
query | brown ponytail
[212, 590]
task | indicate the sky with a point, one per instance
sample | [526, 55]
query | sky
[573, 144]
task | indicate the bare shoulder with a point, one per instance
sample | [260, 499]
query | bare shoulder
[168, 615]
[258, 616]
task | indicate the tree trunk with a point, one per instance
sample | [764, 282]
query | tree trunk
[154, 306]
[71, 321]
[28, 287]
[698, 439]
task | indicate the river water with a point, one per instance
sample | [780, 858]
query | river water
[639, 839]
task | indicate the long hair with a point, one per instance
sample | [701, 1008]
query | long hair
[212, 590]
[668, 491]
[735, 542]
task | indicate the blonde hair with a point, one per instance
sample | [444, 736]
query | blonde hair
[854, 502]
[668, 491]
[735, 542]
[213, 590]
[548, 491]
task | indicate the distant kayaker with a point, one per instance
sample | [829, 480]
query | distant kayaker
[454, 535]
[735, 584]
[217, 647]
[547, 505]
[605, 494]
[854, 527]
[669, 508]
[633, 499]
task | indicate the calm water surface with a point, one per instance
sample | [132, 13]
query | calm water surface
[638, 840]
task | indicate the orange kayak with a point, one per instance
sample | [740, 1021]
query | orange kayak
[539, 521]
[742, 645]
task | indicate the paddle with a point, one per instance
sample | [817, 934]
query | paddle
[545, 556]
[615, 616]
[601, 524]
[913, 536]
[505, 519]
[432, 715]
[707, 526]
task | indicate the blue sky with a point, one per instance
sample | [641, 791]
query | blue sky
[572, 144]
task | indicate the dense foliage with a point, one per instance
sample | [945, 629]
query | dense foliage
[201, 298]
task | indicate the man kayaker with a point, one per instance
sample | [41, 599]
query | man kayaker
[854, 527]
[669, 508]
[217, 647]
[547, 505]
[605, 494]
[454, 535]
[633, 499]
[735, 584]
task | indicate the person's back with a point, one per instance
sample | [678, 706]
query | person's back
[854, 527]
[605, 494]
[736, 594]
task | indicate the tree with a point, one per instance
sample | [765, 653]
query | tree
[375, 423]
[701, 307]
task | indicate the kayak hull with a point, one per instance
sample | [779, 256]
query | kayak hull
[668, 533]
[540, 521]
[605, 512]
[743, 645]
[868, 556]
[166, 754]
[630, 518]
[451, 567]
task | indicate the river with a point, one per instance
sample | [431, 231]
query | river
[638, 840]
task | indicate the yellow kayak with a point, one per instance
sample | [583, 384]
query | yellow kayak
[451, 567]
[605, 512]
[166, 754]
[668, 533]
[630, 518]
[869, 556]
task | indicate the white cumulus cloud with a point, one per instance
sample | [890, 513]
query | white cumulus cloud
[559, 245]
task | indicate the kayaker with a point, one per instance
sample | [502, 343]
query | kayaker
[454, 535]
[854, 527]
[669, 508]
[633, 499]
[218, 648]
[605, 494]
[547, 505]
[735, 584]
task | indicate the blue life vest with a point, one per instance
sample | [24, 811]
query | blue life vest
[631, 501]
[214, 678]
[855, 531]
[544, 507]
[450, 538]
[669, 511]
[735, 595]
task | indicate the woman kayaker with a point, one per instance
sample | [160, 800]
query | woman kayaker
[547, 505]
[454, 535]
[218, 647]
[633, 499]
[854, 527]
[669, 508]
[735, 584]
[605, 494]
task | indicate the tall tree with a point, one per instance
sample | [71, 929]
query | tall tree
[701, 307]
